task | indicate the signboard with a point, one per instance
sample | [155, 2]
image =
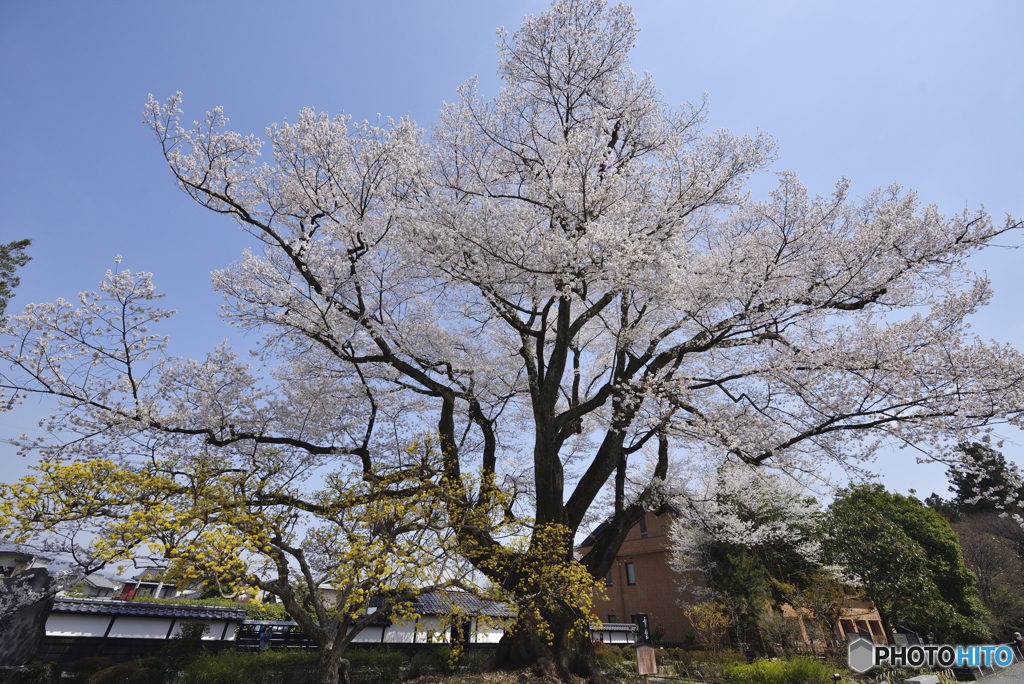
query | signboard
[645, 661]
[643, 629]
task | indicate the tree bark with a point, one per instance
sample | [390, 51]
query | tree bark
[565, 658]
[334, 669]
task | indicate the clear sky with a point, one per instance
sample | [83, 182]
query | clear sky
[929, 94]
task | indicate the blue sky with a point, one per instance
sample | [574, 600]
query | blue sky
[929, 94]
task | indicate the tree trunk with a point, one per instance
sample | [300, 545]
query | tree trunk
[564, 658]
[886, 627]
[334, 669]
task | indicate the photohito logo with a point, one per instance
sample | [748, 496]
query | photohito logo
[864, 655]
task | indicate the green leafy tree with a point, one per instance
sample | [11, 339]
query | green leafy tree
[944, 508]
[888, 565]
[741, 583]
[908, 561]
[984, 488]
[12, 256]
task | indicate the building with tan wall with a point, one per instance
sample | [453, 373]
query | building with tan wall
[642, 581]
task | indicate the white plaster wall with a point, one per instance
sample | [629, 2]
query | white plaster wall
[400, 634]
[63, 624]
[488, 635]
[217, 628]
[232, 632]
[126, 626]
[213, 631]
[370, 635]
[425, 625]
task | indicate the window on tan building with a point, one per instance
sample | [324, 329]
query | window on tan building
[612, 619]
[608, 579]
[630, 575]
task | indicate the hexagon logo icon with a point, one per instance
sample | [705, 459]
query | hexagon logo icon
[861, 655]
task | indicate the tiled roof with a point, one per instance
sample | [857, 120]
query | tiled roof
[439, 603]
[17, 550]
[272, 623]
[176, 610]
[98, 580]
[376, 620]
[148, 575]
[612, 626]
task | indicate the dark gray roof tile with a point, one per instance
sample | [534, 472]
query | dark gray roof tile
[139, 608]
[439, 603]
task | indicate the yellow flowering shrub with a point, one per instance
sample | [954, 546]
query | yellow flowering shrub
[327, 544]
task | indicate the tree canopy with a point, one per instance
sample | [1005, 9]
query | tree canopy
[985, 509]
[993, 548]
[749, 540]
[758, 541]
[252, 521]
[567, 283]
[908, 561]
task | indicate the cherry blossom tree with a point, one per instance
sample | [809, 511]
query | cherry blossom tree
[747, 540]
[567, 283]
[749, 506]
[150, 459]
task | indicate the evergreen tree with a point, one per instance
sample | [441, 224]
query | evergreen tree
[12, 256]
[984, 481]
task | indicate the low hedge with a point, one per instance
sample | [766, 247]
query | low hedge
[377, 665]
[796, 671]
[142, 671]
[268, 667]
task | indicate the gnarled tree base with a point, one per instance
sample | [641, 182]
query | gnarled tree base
[566, 658]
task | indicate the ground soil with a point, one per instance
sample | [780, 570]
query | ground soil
[525, 676]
